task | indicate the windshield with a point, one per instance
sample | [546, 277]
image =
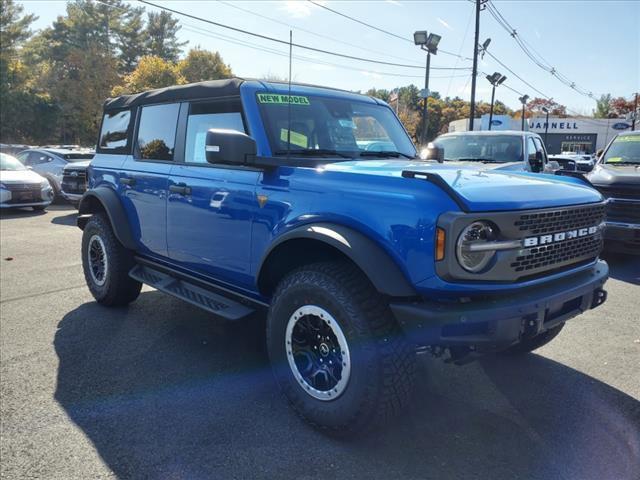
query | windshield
[493, 148]
[332, 126]
[7, 162]
[624, 150]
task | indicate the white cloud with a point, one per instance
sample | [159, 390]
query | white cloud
[371, 74]
[394, 2]
[297, 9]
[444, 24]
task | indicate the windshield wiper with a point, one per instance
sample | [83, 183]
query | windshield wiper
[474, 159]
[306, 152]
[386, 154]
[622, 163]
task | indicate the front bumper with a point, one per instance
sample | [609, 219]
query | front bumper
[72, 197]
[496, 322]
[29, 204]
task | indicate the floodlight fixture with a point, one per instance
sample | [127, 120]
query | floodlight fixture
[420, 37]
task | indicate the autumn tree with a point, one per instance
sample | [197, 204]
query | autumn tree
[200, 65]
[620, 106]
[162, 36]
[603, 106]
[535, 105]
[151, 72]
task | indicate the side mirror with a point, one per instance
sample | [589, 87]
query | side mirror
[537, 163]
[432, 152]
[599, 153]
[229, 146]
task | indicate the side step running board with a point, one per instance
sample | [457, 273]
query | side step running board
[198, 296]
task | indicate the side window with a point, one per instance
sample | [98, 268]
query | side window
[531, 149]
[540, 148]
[204, 116]
[38, 158]
[23, 157]
[157, 132]
[114, 136]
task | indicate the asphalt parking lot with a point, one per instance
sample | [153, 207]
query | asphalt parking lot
[162, 390]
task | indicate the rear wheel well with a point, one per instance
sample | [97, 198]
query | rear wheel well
[293, 254]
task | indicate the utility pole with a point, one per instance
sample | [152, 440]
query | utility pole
[635, 113]
[425, 111]
[474, 74]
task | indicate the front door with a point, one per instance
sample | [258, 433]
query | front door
[143, 178]
[210, 208]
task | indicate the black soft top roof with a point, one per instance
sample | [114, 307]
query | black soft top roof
[209, 89]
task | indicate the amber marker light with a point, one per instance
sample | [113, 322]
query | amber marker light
[440, 237]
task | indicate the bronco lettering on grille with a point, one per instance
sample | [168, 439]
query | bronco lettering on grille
[559, 237]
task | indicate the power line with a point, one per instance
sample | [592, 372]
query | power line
[310, 32]
[297, 45]
[381, 30]
[532, 54]
[225, 38]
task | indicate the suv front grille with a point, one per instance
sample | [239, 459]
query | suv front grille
[625, 212]
[560, 220]
[627, 192]
[563, 253]
[23, 187]
[549, 256]
[74, 181]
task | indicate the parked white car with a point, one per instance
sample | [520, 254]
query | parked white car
[22, 187]
[50, 163]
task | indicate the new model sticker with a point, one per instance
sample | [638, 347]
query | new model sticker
[559, 237]
[282, 99]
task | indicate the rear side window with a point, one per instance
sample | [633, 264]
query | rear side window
[114, 136]
[157, 132]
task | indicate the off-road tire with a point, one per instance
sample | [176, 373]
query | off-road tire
[533, 343]
[382, 361]
[118, 288]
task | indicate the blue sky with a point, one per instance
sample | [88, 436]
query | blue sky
[594, 43]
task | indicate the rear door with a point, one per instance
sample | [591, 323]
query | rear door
[144, 176]
[210, 208]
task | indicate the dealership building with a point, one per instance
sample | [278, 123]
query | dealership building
[583, 135]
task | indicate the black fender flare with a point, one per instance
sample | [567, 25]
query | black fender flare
[383, 272]
[105, 198]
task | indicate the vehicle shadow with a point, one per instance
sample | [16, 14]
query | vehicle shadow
[69, 220]
[163, 390]
[624, 267]
[14, 213]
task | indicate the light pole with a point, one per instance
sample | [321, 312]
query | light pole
[523, 99]
[495, 80]
[546, 125]
[429, 43]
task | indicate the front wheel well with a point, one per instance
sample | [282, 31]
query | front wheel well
[294, 254]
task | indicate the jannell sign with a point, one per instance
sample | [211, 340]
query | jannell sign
[553, 125]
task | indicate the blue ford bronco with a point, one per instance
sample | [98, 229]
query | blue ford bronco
[309, 204]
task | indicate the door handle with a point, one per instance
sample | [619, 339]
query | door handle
[180, 188]
[128, 181]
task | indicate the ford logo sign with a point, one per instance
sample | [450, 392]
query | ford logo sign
[620, 126]
[496, 122]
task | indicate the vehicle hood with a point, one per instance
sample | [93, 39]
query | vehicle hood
[604, 174]
[20, 176]
[486, 189]
[78, 165]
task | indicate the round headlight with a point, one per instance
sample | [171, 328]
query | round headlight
[471, 255]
